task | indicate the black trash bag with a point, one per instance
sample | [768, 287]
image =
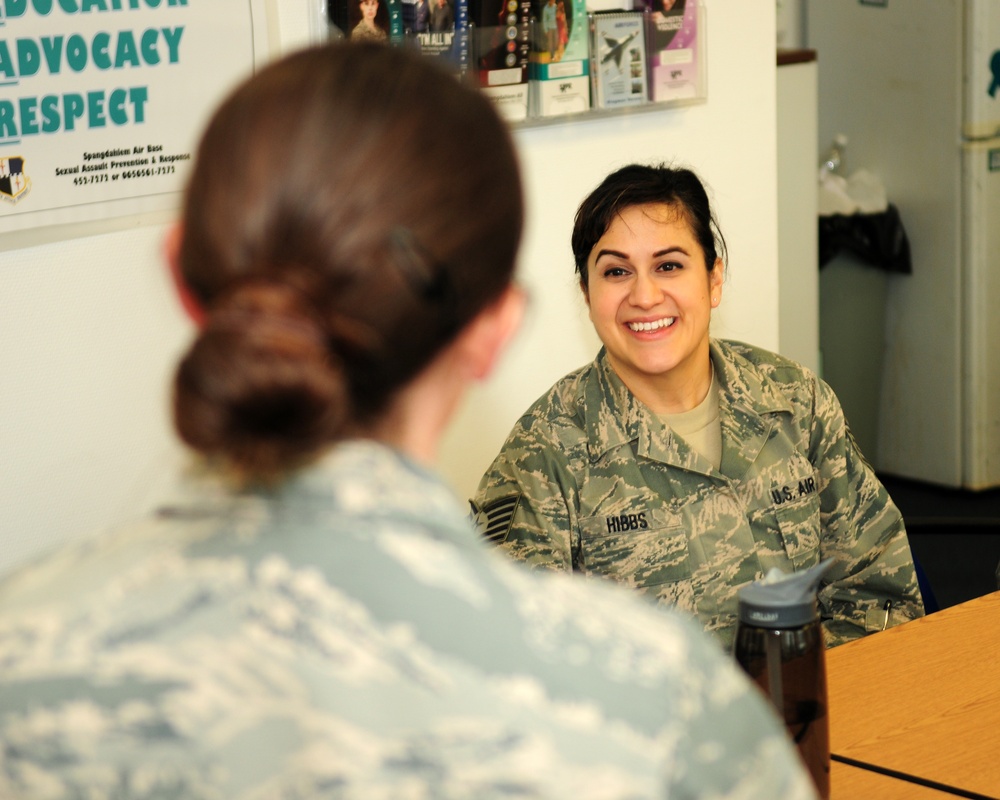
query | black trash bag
[876, 239]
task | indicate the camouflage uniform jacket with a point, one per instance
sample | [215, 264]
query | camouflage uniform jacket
[347, 635]
[591, 480]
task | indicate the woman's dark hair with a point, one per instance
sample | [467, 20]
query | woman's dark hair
[639, 184]
[350, 209]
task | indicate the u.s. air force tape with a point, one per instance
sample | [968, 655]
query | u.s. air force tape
[494, 519]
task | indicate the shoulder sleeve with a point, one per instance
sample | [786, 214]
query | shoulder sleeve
[527, 500]
[873, 583]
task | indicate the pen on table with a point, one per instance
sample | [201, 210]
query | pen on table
[886, 607]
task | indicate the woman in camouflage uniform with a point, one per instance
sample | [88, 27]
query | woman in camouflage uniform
[312, 616]
[683, 465]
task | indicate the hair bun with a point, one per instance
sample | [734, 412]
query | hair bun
[259, 386]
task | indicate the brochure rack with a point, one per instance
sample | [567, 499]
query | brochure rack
[674, 59]
[577, 75]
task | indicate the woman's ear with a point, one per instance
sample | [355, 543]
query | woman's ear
[715, 281]
[172, 255]
[486, 337]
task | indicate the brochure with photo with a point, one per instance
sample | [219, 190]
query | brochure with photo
[368, 20]
[618, 59]
[500, 47]
[439, 28]
[559, 70]
[673, 50]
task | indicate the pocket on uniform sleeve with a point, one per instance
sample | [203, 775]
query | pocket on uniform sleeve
[635, 548]
[799, 525]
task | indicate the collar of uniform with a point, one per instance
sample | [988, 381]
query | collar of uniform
[742, 383]
[614, 417]
[609, 409]
[358, 478]
[367, 477]
[748, 399]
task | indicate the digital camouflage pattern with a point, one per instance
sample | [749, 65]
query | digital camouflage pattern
[349, 636]
[591, 480]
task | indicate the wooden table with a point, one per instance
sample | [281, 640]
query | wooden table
[922, 700]
[854, 783]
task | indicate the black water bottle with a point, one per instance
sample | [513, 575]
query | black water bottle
[779, 644]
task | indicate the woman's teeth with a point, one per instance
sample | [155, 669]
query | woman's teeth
[652, 326]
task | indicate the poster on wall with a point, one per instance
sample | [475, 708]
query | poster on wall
[102, 103]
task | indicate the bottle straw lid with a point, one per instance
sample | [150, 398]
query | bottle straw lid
[780, 600]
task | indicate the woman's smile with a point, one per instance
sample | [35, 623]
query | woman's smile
[648, 327]
[651, 295]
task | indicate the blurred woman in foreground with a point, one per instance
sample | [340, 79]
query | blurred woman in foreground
[313, 617]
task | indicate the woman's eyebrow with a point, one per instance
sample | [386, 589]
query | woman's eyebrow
[619, 254]
[673, 249]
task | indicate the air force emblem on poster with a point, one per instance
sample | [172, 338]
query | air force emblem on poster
[14, 181]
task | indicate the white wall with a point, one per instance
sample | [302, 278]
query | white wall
[90, 329]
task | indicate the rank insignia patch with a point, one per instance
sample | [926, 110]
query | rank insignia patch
[494, 520]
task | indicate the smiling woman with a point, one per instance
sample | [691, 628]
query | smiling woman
[683, 465]
[650, 295]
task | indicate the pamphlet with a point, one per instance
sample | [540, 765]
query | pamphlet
[559, 71]
[500, 39]
[439, 28]
[368, 20]
[673, 50]
[618, 59]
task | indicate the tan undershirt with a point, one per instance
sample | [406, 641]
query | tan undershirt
[700, 426]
